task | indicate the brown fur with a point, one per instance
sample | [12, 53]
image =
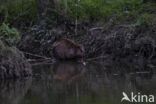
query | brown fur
[67, 49]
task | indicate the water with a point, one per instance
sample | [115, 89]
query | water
[73, 83]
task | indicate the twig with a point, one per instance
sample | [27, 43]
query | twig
[100, 57]
[96, 28]
[36, 55]
[37, 60]
[39, 63]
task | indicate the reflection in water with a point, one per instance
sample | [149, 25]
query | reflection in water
[13, 91]
[73, 83]
[66, 71]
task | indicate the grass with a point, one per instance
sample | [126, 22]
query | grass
[9, 35]
[101, 9]
[15, 10]
[133, 11]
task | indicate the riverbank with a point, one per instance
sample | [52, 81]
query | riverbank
[125, 29]
[13, 63]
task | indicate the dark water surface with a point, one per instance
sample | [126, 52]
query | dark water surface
[73, 83]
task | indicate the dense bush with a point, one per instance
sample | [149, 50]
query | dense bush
[9, 35]
[15, 11]
[100, 9]
[116, 27]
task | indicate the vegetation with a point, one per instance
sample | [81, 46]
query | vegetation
[84, 10]
[18, 11]
[103, 9]
[58, 17]
[13, 63]
[9, 35]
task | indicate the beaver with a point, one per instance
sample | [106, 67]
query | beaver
[66, 49]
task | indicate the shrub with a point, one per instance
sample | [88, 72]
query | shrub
[146, 19]
[9, 35]
[100, 9]
[15, 10]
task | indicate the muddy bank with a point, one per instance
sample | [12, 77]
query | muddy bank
[114, 40]
[13, 64]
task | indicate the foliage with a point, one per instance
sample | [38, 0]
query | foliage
[101, 9]
[15, 10]
[146, 19]
[83, 10]
[9, 35]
